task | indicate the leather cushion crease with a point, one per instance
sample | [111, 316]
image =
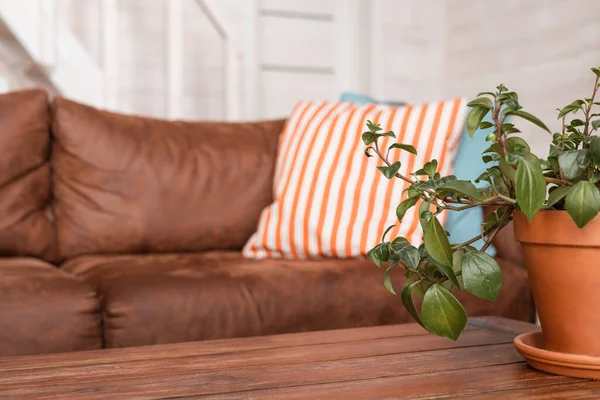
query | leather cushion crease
[45, 310]
[25, 191]
[129, 184]
[152, 299]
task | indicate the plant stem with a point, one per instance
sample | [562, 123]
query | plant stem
[501, 224]
[560, 182]
[506, 198]
[588, 108]
[385, 160]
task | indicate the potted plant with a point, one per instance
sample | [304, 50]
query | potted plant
[553, 202]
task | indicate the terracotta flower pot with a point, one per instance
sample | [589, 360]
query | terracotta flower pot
[563, 263]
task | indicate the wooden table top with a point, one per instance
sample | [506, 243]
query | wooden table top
[401, 361]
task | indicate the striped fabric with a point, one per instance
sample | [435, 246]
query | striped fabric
[330, 200]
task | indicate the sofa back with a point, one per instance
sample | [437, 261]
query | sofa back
[25, 192]
[129, 184]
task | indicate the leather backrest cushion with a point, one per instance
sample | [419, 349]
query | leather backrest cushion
[25, 227]
[129, 184]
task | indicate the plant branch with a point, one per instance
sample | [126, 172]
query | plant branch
[557, 181]
[586, 129]
[501, 224]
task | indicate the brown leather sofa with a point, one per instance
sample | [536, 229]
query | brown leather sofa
[126, 231]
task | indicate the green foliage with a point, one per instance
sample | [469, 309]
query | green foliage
[442, 314]
[481, 274]
[569, 179]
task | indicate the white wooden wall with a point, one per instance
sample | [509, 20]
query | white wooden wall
[395, 50]
[297, 52]
[543, 49]
[544, 52]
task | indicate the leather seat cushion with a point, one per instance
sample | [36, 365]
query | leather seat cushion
[45, 310]
[150, 299]
[25, 228]
[129, 184]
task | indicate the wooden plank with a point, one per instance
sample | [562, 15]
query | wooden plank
[575, 390]
[504, 325]
[461, 383]
[212, 347]
[177, 380]
[260, 357]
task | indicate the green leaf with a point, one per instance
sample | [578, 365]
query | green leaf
[408, 302]
[530, 186]
[594, 149]
[529, 117]
[447, 271]
[596, 71]
[406, 252]
[457, 261]
[485, 125]
[486, 93]
[407, 147]
[463, 187]
[557, 195]
[390, 172]
[430, 168]
[379, 254]
[405, 206]
[517, 145]
[481, 274]
[583, 202]
[596, 124]
[442, 314]
[513, 105]
[373, 127]
[481, 102]
[390, 134]
[507, 170]
[389, 228]
[367, 152]
[423, 210]
[387, 280]
[368, 137]
[474, 118]
[573, 162]
[436, 242]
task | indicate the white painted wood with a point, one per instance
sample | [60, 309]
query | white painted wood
[233, 84]
[48, 45]
[323, 7]
[252, 106]
[110, 53]
[282, 90]
[174, 44]
[544, 53]
[296, 42]
[74, 73]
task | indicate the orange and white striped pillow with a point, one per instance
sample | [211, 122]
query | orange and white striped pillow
[330, 200]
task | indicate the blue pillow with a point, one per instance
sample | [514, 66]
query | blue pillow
[464, 225]
[468, 165]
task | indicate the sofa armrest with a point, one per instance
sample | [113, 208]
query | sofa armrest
[506, 245]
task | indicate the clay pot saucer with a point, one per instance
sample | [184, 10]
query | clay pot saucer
[531, 347]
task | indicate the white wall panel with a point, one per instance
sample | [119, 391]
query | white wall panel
[323, 7]
[543, 50]
[282, 90]
[296, 42]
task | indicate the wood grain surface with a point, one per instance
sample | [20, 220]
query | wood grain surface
[401, 361]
